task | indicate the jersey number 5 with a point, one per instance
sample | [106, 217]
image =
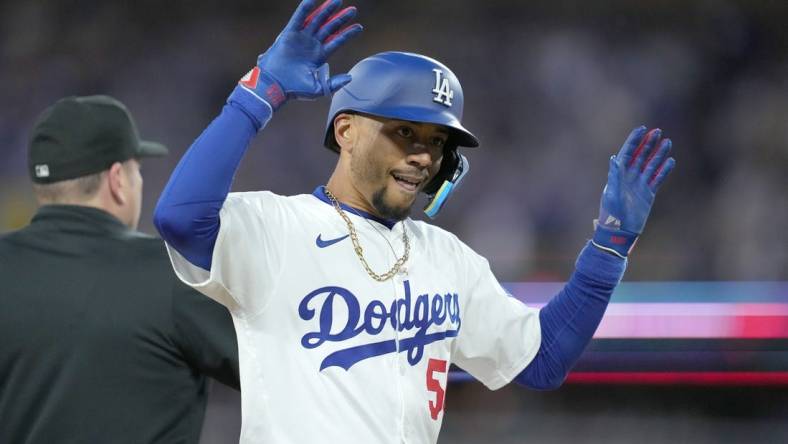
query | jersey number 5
[433, 385]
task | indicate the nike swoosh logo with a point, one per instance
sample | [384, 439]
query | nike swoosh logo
[327, 243]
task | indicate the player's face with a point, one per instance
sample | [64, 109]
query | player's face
[393, 160]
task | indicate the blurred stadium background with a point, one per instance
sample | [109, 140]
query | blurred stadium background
[694, 346]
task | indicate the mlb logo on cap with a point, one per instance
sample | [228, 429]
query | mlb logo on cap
[42, 170]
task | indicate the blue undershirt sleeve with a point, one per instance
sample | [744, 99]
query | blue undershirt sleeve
[570, 319]
[187, 214]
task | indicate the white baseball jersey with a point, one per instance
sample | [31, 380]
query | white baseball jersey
[329, 355]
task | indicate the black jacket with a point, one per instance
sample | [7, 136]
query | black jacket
[99, 341]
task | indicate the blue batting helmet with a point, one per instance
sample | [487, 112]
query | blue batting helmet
[405, 86]
[416, 88]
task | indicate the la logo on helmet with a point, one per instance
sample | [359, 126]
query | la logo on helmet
[442, 90]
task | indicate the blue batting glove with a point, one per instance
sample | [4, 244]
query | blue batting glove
[295, 65]
[635, 175]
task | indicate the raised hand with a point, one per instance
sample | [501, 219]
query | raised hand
[635, 175]
[295, 65]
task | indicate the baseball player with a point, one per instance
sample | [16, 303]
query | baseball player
[349, 313]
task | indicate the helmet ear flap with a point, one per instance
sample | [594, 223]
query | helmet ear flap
[451, 160]
[446, 181]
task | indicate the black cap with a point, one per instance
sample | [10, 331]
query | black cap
[78, 136]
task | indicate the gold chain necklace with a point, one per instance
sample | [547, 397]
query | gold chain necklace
[360, 251]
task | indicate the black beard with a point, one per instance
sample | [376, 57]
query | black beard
[386, 211]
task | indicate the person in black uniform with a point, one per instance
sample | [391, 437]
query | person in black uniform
[99, 341]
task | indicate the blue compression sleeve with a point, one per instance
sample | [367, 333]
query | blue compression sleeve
[187, 214]
[570, 319]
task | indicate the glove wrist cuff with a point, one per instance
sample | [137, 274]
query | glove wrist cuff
[613, 241]
[259, 94]
[253, 105]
